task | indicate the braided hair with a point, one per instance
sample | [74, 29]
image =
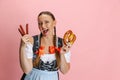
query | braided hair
[37, 59]
[56, 45]
[57, 55]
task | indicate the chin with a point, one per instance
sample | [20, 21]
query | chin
[44, 35]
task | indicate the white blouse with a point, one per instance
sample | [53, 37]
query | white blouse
[45, 57]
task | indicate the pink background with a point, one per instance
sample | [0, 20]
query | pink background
[96, 52]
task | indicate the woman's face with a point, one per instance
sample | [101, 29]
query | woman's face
[46, 24]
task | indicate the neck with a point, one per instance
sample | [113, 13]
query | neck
[48, 37]
[48, 40]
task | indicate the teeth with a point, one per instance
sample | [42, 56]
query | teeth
[45, 30]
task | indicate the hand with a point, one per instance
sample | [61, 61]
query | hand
[65, 49]
[25, 37]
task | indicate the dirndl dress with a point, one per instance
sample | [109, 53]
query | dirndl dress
[46, 71]
[48, 65]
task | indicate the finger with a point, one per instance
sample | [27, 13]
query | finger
[68, 45]
[26, 39]
[26, 28]
[22, 30]
[64, 50]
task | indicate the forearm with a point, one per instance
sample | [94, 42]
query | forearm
[64, 66]
[26, 64]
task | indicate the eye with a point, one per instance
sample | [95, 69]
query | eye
[40, 24]
[46, 22]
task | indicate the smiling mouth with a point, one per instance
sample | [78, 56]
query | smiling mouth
[45, 31]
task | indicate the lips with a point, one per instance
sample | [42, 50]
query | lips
[45, 31]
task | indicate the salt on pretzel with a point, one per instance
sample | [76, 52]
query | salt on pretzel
[69, 38]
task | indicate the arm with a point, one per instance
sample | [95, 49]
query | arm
[25, 63]
[68, 39]
[65, 60]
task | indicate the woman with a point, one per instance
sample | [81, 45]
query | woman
[41, 56]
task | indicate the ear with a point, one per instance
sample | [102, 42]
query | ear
[54, 23]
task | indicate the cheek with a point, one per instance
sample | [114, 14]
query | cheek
[51, 26]
[40, 28]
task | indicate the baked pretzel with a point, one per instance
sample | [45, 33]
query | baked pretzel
[69, 38]
[21, 30]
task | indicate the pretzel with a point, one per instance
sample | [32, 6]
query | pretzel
[21, 30]
[69, 38]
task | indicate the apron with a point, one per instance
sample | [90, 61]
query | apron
[46, 70]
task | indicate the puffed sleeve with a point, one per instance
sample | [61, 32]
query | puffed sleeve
[29, 50]
[67, 56]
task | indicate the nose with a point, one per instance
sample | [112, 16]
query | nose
[43, 26]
